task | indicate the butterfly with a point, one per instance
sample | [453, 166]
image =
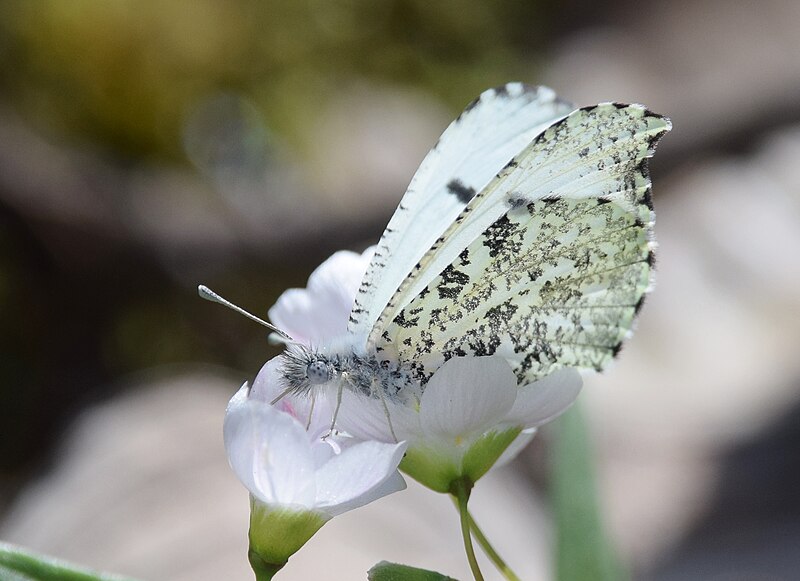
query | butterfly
[526, 232]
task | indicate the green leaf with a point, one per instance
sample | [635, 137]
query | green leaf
[17, 564]
[385, 571]
[583, 550]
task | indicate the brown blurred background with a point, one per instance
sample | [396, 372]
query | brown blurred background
[148, 146]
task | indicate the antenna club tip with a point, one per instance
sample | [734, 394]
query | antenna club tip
[204, 291]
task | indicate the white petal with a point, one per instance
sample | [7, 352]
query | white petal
[340, 276]
[348, 479]
[395, 483]
[309, 318]
[269, 451]
[516, 447]
[323, 451]
[546, 399]
[366, 419]
[467, 395]
[320, 312]
[267, 385]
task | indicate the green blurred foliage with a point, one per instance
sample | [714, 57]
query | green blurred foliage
[124, 73]
[583, 551]
[17, 564]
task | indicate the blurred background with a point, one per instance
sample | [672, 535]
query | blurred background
[147, 146]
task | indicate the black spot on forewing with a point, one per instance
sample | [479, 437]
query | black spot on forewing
[459, 190]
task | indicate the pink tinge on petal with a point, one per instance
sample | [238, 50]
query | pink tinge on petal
[320, 312]
[467, 396]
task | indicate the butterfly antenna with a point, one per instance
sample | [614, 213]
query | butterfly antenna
[210, 295]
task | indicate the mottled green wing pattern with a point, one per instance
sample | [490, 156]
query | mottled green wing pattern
[546, 266]
[553, 283]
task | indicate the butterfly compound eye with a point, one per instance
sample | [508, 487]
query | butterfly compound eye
[317, 373]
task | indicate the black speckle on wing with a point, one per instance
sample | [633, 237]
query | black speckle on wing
[459, 190]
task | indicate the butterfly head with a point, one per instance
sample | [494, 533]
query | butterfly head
[318, 372]
[302, 369]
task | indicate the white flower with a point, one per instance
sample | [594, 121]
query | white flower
[471, 413]
[285, 465]
[298, 480]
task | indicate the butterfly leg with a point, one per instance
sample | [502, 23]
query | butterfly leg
[336, 409]
[385, 410]
[311, 411]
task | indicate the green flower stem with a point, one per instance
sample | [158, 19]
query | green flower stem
[498, 561]
[264, 571]
[460, 489]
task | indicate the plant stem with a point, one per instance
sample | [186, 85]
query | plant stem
[460, 491]
[264, 571]
[498, 561]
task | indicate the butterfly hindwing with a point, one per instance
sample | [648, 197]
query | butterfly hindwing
[547, 265]
[492, 129]
[549, 284]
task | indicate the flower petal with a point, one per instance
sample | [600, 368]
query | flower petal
[269, 451]
[365, 418]
[467, 395]
[546, 399]
[320, 312]
[340, 275]
[516, 447]
[395, 483]
[347, 479]
[267, 385]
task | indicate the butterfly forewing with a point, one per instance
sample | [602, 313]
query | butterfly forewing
[548, 264]
[495, 127]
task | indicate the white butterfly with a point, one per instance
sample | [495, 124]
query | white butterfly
[525, 233]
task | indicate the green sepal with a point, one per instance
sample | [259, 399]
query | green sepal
[17, 564]
[430, 469]
[385, 571]
[277, 533]
[483, 454]
[438, 471]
